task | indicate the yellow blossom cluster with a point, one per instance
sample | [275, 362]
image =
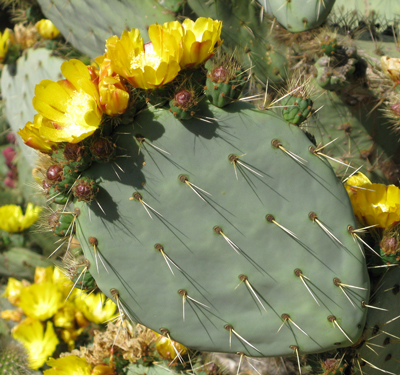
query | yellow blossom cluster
[71, 110]
[45, 306]
[374, 204]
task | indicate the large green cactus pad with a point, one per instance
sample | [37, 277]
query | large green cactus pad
[204, 264]
[87, 23]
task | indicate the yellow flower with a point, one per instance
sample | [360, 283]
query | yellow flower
[391, 67]
[69, 336]
[65, 317]
[4, 42]
[166, 347]
[13, 291]
[43, 274]
[12, 219]
[72, 106]
[40, 345]
[92, 307]
[31, 136]
[70, 365]
[103, 370]
[200, 40]
[40, 301]
[140, 63]
[46, 29]
[374, 203]
[114, 96]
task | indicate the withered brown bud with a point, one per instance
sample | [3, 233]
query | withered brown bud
[54, 220]
[389, 245]
[102, 148]
[54, 172]
[183, 98]
[73, 151]
[220, 74]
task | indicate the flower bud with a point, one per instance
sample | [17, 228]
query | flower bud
[391, 67]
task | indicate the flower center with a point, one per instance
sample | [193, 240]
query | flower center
[79, 104]
[146, 59]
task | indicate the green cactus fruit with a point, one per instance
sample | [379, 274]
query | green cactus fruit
[74, 155]
[296, 109]
[225, 81]
[55, 195]
[329, 46]
[61, 223]
[183, 106]
[85, 189]
[13, 357]
[186, 223]
[297, 15]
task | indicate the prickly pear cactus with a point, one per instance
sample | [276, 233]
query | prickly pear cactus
[18, 90]
[297, 15]
[202, 208]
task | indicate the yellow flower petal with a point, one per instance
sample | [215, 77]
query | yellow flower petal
[375, 204]
[4, 42]
[32, 138]
[391, 67]
[92, 307]
[71, 106]
[40, 345]
[43, 274]
[13, 291]
[47, 29]
[70, 365]
[65, 316]
[40, 301]
[12, 219]
[200, 39]
[141, 64]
